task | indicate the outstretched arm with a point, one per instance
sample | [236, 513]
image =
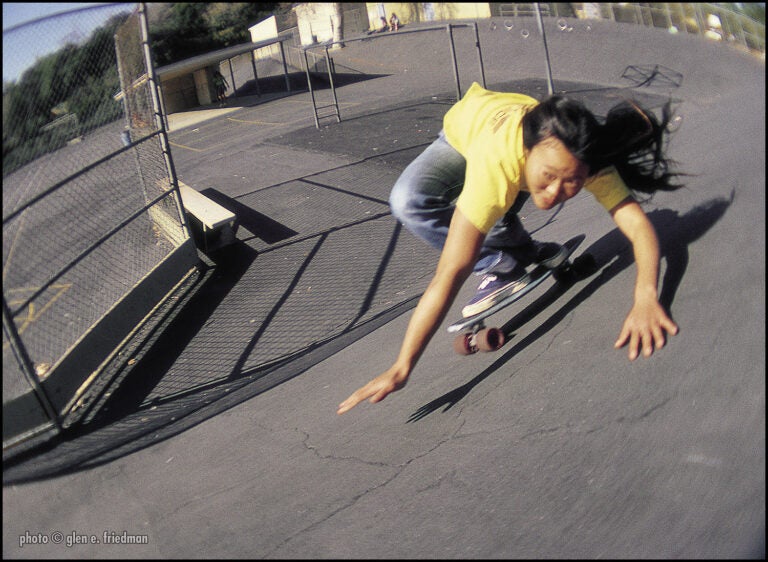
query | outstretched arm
[456, 262]
[647, 320]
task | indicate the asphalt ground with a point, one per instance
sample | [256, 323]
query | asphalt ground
[223, 441]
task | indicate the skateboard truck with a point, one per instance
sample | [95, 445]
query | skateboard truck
[473, 336]
[479, 339]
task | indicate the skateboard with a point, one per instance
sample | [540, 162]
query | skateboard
[474, 336]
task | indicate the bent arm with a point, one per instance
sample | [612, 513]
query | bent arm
[647, 320]
[457, 259]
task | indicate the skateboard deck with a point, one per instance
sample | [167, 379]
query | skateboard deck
[474, 336]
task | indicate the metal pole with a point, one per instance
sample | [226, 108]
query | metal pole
[161, 99]
[160, 122]
[550, 86]
[311, 91]
[232, 76]
[455, 65]
[27, 367]
[479, 54]
[123, 85]
[333, 87]
[285, 67]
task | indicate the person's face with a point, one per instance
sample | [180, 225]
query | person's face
[552, 173]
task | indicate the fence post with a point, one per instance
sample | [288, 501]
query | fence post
[333, 86]
[311, 91]
[479, 54]
[453, 59]
[26, 365]
[550, 86]
[285, 66]
[232, 76]
[159, 120]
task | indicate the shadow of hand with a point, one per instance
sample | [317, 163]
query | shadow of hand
[448, 400]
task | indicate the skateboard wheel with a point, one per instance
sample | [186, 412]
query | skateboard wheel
[565, 275]
[489, 339]
[585, 265]
[462, 345]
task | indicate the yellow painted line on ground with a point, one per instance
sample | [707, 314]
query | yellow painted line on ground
[252, 122]
[295, 101]
[199, 136]
[258, 122]
[310, 103]
[186, 147]
[33, 315]
[284, 124]
[28, 320]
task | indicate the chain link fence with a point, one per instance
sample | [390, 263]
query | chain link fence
[91, 215]
[715, 21]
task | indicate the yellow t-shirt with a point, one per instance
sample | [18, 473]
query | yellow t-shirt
[485, 127]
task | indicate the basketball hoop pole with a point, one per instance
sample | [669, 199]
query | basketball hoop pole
[550, 87]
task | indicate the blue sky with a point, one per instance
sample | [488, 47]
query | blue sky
[23, 46]
[15, 13]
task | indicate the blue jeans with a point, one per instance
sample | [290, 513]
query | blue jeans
[424, 198]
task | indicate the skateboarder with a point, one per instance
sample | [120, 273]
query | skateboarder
[221, 85]
[461, 195]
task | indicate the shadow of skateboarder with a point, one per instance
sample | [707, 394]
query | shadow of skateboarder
[613, 254]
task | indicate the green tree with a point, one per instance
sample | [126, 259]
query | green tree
[80, 79]
[228, 22]
[754, 10]
[181, 31]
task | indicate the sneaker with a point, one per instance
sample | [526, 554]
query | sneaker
[492, 289]
[550, 254]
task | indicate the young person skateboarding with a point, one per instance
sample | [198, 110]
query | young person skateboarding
[462, 195]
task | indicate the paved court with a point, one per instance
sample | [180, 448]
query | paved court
[224, 441]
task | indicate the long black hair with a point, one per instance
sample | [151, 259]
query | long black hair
[632, 139]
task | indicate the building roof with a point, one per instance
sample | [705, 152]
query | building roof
[192, 64]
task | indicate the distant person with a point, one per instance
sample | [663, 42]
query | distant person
[221, 85]
[394, 22]
[463, 193]
[384, 26]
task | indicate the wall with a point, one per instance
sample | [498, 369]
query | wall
[204, 86]
[420, 12]
[179, 93]
[314, 22]
[265, 29]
